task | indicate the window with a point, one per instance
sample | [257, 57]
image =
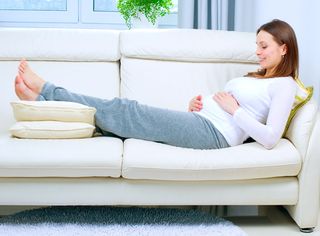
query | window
[105, 11]
[39, 11]
[70, 13]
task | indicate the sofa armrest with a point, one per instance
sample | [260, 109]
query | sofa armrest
[306, 211]
[300, 129]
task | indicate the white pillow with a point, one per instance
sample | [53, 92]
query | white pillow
[51, 130]
[53, 111]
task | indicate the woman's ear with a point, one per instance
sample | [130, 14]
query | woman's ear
[284, 49]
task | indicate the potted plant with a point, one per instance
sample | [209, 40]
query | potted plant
[150, 9]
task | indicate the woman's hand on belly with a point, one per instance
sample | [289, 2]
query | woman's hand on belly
[227, 102]
[195, 104]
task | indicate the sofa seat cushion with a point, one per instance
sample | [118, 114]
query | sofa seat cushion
[98, 156]
[150, 160]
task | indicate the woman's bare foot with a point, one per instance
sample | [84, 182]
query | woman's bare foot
[22, 91]
[31, 79]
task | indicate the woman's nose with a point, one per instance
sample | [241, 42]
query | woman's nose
[258, 51]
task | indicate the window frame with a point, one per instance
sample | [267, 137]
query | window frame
[89, 16]
[79, 14]
[42, 16]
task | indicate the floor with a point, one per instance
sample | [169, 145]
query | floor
[275, 222]
[272, 221]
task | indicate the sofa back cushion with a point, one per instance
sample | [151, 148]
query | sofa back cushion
[166, 68]
[171, 84]
[84, 61]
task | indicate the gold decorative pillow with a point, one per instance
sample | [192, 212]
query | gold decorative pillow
[53, 111]
[303, 95]
[51, 130]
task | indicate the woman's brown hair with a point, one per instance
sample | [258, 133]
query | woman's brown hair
[282, 33]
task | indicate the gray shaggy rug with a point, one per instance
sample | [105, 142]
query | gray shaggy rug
[101, 220]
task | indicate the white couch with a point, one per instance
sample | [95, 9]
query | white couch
[163, 68]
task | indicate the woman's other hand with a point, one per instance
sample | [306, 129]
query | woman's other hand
[227, 102]
[195, 104]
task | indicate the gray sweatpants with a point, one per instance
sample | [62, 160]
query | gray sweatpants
[129, 119]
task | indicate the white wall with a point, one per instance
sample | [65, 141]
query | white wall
[302, 15]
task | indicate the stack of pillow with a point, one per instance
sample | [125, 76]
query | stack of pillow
[52, 120]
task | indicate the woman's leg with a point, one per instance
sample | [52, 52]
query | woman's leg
[126, 118]
[129, 119]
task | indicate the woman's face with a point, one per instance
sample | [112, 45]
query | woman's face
[269, 52]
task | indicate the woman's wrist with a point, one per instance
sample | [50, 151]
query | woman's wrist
[234, 110]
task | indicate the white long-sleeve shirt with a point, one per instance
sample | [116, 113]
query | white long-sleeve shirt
[265, 105]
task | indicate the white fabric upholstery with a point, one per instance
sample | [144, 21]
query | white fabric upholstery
[170, 84]
[150, 160]
[189, 45]
[301, 127]
[306, 212]
[101, 156]
[74, 44]
[51, 130]
[187, 58]
[119, 191]
[8, 73]
[53, 111]
[100, 79]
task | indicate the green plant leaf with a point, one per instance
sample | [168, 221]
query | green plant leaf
[152, 9]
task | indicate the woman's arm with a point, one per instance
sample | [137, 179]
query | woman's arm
[282, 94]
